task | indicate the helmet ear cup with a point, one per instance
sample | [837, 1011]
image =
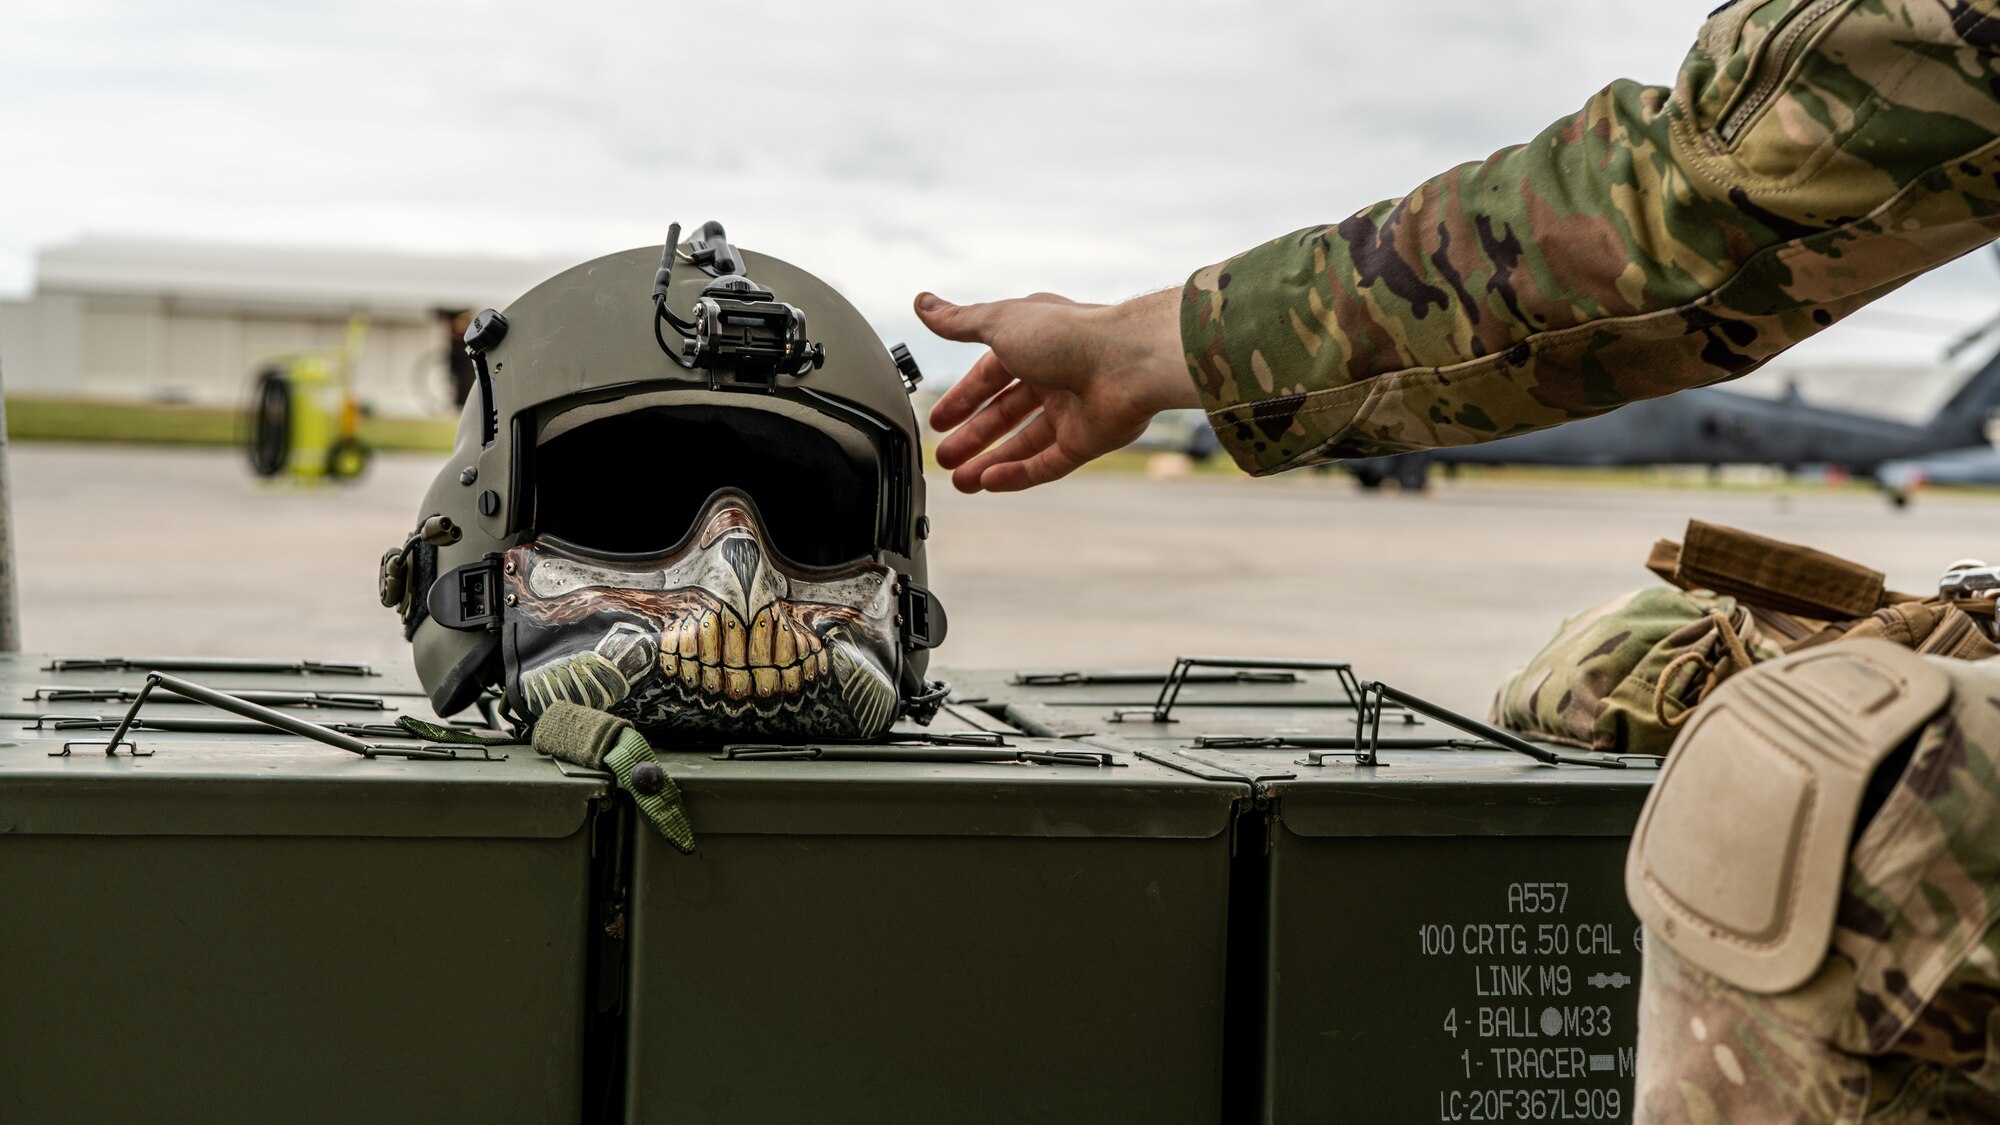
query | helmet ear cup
[463, 681]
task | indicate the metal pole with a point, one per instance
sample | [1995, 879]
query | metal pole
[10, 597]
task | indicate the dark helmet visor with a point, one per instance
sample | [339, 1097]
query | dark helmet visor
[633, 483]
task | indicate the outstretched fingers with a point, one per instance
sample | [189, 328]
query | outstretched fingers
[1033, 438]
[985, 378]
[1052, 463]
[994, 421]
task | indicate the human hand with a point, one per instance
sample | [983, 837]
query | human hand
[1085, 378]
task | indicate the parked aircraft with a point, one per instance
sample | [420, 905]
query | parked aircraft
[1709, 426]
[1977, 467]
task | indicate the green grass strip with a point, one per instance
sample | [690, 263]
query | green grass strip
[33, 418]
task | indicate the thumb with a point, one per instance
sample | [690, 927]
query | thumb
[966, 323]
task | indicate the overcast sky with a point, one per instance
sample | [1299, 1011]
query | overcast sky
[1098, 149]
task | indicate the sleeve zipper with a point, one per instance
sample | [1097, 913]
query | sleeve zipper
[1777, 60]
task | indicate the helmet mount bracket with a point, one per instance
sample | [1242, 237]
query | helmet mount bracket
[741, 335]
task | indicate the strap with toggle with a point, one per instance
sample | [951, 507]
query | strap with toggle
[596, 740]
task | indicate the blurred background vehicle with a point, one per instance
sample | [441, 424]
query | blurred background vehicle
[303, 419]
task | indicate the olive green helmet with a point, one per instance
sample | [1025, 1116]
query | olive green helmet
[687, 488]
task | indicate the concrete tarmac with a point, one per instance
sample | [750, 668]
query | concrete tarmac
[133, 552]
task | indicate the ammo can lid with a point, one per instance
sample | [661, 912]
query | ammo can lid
[259, 782]
[240, 787]
[1057, 788]
[24, 673]
[1457, 793]
[1414, 792]
[1098, 691]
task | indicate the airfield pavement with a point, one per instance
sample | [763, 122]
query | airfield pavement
[133, 552]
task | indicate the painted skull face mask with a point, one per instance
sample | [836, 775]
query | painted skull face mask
[719, 637]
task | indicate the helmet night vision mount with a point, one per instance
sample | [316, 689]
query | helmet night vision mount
[712, 524]
[741, 335]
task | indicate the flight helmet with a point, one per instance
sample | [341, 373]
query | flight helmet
[686, 489]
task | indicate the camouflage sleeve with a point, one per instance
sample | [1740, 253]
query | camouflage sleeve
[1812, 155]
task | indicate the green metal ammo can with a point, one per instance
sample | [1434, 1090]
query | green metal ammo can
[1027, 932]
[233, 927]
[1436, 931]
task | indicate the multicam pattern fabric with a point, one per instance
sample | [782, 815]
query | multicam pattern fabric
[1812, 156]
[1596, 683]
[1902, 1022]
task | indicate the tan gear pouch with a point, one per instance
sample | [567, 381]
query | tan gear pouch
[1623, 677]
[1738, 859]
[1769, 573]
[1804, 597]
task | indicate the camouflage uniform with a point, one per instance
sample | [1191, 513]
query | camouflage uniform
[1812, 156]
[1597, 684]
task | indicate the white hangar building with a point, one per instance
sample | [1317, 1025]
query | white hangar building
[152, 320]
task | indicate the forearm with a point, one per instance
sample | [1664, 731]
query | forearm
[1810, 158]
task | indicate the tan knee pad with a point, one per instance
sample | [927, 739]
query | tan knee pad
[1740, 852]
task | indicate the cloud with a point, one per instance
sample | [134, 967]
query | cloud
[1097, 148]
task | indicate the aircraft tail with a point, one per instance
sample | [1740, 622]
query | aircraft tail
[1964, 416]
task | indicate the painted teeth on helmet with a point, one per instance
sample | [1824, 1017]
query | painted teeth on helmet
[870, 697]
[733, 641]
[710, 642]
[716, 654]
[577, 687]
[608, 681]
[735, 683]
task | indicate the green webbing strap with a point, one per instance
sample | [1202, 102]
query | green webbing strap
[639, 772]
[577, 734]
[594, 740]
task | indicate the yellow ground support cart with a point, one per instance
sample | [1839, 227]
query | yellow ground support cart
[303, 419]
